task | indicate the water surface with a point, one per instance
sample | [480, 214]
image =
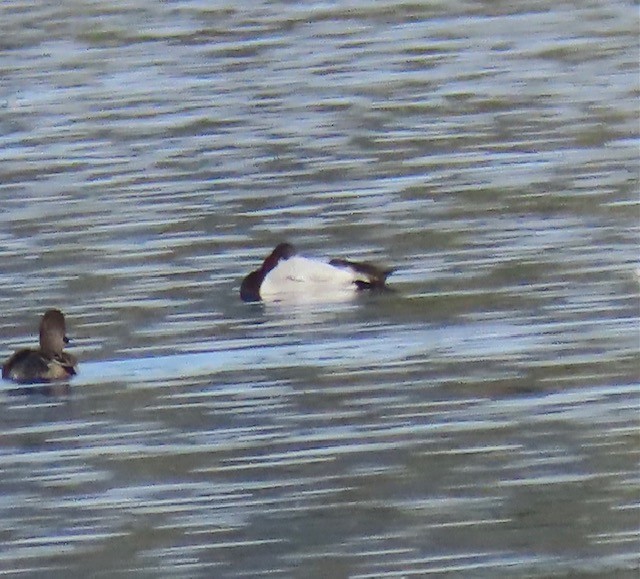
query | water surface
[481, 421]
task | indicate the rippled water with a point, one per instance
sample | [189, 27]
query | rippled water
[481, 421]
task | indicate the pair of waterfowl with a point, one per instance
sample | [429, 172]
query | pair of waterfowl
[283, 275]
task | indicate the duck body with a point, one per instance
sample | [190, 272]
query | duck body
[285, 275]
[32, 366]
[49, 362]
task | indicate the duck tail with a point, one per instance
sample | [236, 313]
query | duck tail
[369, 276]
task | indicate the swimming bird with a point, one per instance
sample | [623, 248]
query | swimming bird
[47, 363]
[285, 274]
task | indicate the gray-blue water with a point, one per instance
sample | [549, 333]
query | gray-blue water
[483, 420]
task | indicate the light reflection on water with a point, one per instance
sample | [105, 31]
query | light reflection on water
[482, 420]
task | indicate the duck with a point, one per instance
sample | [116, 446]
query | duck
[49, 362]
[285, 274]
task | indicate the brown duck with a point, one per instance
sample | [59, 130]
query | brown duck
[47, 363]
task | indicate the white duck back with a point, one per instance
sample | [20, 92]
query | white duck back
[311, 279]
